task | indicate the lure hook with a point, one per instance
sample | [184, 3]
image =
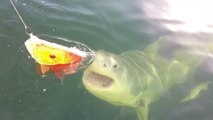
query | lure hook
[27, 30]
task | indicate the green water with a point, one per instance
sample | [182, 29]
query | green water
[114, 26]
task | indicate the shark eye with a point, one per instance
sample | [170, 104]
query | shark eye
[52, 56]
[115, 66]
[105, 65]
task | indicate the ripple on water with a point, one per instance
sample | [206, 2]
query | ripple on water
[7, 54]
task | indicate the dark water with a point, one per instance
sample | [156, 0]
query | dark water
[114, 26]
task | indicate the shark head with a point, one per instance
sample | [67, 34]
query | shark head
[108, 79]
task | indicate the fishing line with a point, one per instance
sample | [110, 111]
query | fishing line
[87, 59]
[27, 31]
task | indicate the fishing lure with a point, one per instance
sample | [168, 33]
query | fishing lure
[59, 59]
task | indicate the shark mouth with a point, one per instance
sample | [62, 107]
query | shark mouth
[98, 80]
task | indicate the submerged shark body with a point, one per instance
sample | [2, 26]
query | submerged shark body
[139, 78]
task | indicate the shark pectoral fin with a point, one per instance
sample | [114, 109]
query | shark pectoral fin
[142, 111]
[195, 92]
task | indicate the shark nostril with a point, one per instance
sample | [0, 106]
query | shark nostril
[105, 65]
[115, 66]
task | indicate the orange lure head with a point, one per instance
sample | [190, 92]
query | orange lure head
[53, 57]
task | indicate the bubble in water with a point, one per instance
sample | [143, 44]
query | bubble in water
[44, 90]
[24, 4]
[10, 98]
[26, 61]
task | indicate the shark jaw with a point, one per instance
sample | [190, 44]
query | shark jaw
[97, 80]
[107, 88]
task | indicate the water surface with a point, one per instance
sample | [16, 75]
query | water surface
[114, 26]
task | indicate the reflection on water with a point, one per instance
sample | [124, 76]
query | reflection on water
[114, 26]
[181, 15]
